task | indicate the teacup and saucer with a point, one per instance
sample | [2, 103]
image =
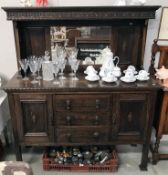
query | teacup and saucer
[90, 69]
[109, 78]
[129, 77]
[92, 75]
[143, 75]
[116, 71]
[130, 68]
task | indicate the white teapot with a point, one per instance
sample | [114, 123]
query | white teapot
[108, 64]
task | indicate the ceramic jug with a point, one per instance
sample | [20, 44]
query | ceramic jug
[47, 68]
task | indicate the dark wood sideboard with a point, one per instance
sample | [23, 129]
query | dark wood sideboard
[82, 112]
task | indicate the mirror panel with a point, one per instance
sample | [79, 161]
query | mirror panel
[89, 40]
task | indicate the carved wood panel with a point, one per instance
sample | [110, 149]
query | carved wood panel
[34, 118]
[131, 116]
[34, 41]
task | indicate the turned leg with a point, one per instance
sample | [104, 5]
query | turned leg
[144, 160]
[159, 129]
[155, 154]
[18, 153]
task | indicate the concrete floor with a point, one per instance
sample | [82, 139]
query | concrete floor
[129, 159]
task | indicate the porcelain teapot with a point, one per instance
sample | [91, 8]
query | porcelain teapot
[108, 63]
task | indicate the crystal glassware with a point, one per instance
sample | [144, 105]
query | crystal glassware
[72, 57]
[56, 67]
[33, 68]
[75, 68]
[62, 67]
[24, 63]
[39, 64]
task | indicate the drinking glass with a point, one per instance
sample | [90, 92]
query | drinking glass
[33, 68]
[72, 57]
[62, 67]
[24, 63]
[56, 67]
[39, 64]
[75, 68]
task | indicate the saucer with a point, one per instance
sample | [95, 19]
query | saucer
[96, 78]
[107, 80]
[142, 79]
[126, 80]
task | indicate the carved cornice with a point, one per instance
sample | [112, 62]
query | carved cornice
[80, 13]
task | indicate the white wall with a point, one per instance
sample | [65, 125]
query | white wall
[7, 48]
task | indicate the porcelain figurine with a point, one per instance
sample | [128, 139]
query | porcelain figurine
[136, 2]
[41, 2]
[25, 3]
[119, 3]
[162, 73]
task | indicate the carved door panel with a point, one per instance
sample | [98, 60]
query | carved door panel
[34, 40]
[34, 118]
[131, 117]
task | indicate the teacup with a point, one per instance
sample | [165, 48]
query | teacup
[131, 68]
[110, 77]
[129, 75]
[143, 74]
[92, 75]
[90, 69]
[116, 71]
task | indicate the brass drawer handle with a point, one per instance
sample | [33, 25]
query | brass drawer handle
[68, 119]
[97, 104]
[96, 120]
[96, 135]
[68, 104]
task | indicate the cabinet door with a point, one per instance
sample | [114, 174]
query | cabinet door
[131, 117]
[34, 118]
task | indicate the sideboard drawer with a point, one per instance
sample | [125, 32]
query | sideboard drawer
[81, 102]
[84, 118]
[83, 135]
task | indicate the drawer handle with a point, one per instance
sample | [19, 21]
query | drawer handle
[96, 135]
[96, 120]
[68, 104]
[97, 104]
[68, 119]
[69, 136]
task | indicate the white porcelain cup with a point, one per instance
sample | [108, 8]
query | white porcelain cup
[109, 77]
[92, 75]
[131, 68]
[116, 71]
[143, 74]
[129, 75]
[89, 70]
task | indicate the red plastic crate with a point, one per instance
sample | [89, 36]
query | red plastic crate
[108, 166]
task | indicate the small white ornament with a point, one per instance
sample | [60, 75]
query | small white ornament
[25, 3]
[119, 3]
[136, 2]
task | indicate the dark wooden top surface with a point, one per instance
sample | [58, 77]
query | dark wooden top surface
[78, 13]
[82, 85]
